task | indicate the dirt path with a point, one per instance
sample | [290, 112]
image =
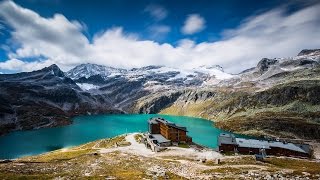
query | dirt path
[187, 164]
[134, 148]
[141, 150]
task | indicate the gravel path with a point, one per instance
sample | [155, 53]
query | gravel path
[135, 147]
[141, 150]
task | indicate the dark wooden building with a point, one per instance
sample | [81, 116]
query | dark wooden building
[229, 143]
[168, 130]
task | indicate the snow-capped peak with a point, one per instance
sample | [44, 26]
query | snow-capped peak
[160, 75]
[310, 52]
[87, 70]
[216, 71]
[218, 67]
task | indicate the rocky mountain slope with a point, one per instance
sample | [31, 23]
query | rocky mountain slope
[123, 87]
[49, 97]
[278, 97]
[44, 98]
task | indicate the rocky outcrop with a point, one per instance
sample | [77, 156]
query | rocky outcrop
[309, 52]
[95, 79]
[155, 105]
[264, 64]
[300, 63]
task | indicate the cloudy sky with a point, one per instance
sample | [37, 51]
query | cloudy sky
[177, 33]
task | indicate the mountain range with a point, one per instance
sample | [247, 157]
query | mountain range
[279, 97]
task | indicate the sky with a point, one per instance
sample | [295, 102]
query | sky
[176, 33]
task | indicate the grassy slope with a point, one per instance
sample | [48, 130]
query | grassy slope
[254, 113]
[274, 121]
[77, 162]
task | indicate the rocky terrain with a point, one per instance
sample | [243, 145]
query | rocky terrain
[124, 157]
[44, 98]
[124, 87]
[279, 97]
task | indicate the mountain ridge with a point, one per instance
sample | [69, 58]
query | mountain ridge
[44, 98]
[280, 88]
[276, 98]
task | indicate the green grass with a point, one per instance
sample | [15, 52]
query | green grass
[173, 158]
[183, 145]
[74, 152]
[59, 155]
[279, 124]
[228, 170]
[236, 160]
[298, 165]
[106, 143]
[15, 176]
[138, 138]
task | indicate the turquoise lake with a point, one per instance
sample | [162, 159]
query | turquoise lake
[89, 128]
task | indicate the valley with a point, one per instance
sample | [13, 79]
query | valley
[278, 98]
[159, 90]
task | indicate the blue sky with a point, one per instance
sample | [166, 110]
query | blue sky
[177, 33]
[133, 17]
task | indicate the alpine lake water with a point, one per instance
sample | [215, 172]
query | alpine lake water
[92, 127]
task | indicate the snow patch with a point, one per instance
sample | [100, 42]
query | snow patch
[217, 73]
[290, 68]
[87, 86]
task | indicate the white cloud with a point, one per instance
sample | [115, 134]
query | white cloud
[193, 24]
[56, 37]
[61, 41]
[160, 28]
[18, 65]
[159, 32]
[156, 11]
[1, 28]
[186, 43]
[12, 64]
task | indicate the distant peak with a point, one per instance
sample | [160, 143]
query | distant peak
[310, 52]
[89, 69]
[53, 66]
[88, 64]
[218, 67]
[148, 67]
[265, 63]
[55, 70]
[96, 66]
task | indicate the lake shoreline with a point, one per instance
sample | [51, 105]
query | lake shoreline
[92, 127]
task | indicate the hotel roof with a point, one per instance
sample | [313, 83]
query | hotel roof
[225, 138]
[294, 147]
[160, 138]
[252, 143]
[156, 120]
